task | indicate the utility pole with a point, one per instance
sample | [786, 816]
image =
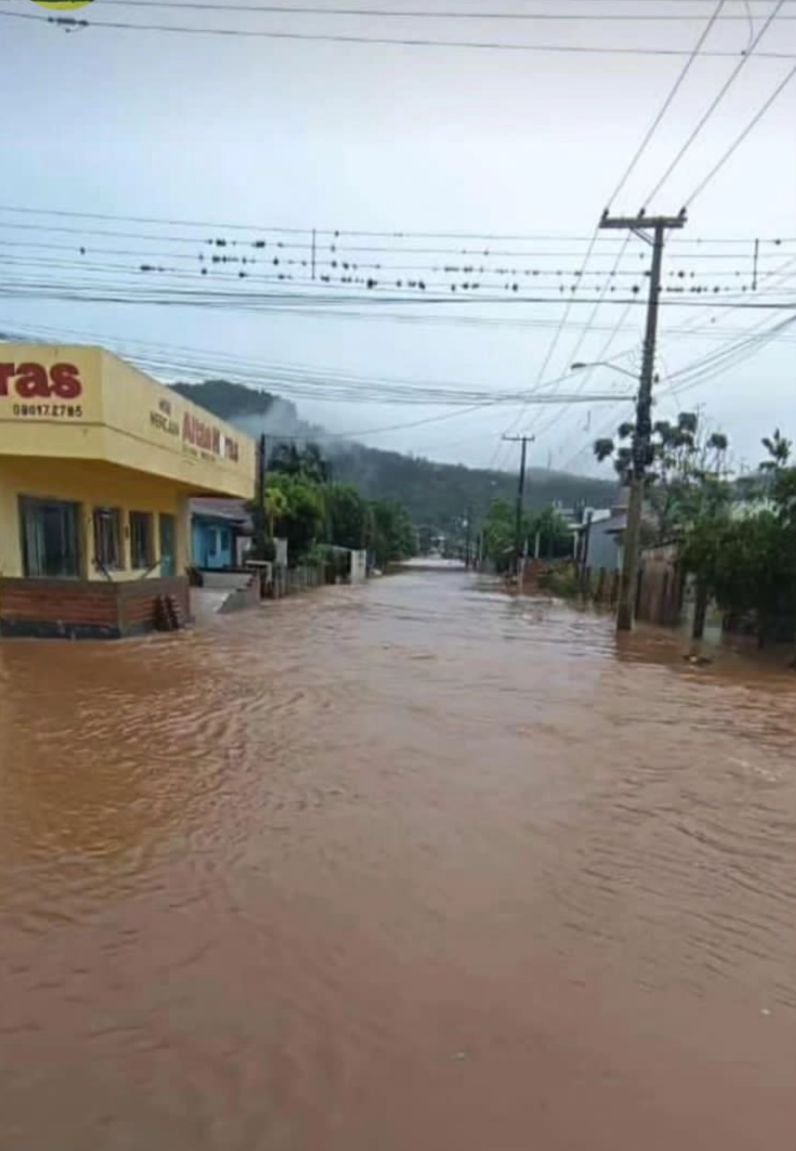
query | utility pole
[518, 549]
[642, 226]
[585, 543]
[261, 513]
[468, 538]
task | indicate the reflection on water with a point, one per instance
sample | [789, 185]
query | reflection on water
[410, 866]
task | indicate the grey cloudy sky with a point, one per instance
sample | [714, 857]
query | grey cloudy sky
[280, 133]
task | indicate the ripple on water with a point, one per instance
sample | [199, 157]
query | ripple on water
[257, 871]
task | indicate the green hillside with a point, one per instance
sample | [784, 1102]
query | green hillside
[435, 494]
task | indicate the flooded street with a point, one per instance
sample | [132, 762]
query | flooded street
[408, 866]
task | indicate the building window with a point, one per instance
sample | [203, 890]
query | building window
[142, 546]
[212, 543]
[50, 538]
[108, 539]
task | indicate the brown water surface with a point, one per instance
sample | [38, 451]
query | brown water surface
[413, 866]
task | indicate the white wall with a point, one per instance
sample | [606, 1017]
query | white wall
[359, 566]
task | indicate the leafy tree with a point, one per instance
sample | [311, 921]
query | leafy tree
[682, 457]
[705, 527]
[347, 517]
[747, 556]
[752, 574]
[298, 513]
[276, 506]
[391, 536]
[499, 533]
[291, 460]
[555, 537]
[779, 452]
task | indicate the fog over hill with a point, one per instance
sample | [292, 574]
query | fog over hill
[435, 494]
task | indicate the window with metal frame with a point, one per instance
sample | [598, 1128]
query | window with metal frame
[142, 541]
[50, 531]
[108, 555]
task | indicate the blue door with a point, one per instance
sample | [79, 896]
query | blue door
[212, 545]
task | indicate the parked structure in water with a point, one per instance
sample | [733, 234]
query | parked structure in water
[98, 463]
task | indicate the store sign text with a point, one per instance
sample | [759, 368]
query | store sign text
[162, 419]
[37, 382]
[208, 438]
[39, 392]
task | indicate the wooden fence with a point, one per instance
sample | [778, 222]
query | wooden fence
[659, 591]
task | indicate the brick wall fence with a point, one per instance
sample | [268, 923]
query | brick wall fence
[82, 609]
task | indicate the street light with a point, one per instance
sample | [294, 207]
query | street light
[580, 366]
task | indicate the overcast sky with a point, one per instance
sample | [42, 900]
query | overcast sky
[301, 134]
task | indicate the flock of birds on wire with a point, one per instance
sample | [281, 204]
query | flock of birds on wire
[338, 264]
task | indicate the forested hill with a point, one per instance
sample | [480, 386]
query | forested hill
[433, 493]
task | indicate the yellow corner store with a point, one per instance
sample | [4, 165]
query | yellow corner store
[97, 465]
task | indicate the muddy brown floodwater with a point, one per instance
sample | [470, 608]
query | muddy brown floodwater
[407, 868]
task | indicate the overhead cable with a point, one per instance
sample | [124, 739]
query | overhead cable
[75, 22]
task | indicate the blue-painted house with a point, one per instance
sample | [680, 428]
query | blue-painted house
[219, 532]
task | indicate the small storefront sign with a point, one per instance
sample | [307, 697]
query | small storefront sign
[162, 419]
[39, 391]
[208, 438]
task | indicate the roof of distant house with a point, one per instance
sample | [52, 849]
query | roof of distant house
[615, 524]
[234, 511]
[601, 516]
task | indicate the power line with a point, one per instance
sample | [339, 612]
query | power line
[371, 387]
[341, 258]
[714, 171]
[700, 371]
[258, 301]
[667, 103]
[468, 261]
[728, 83]
[424, 14]
[601, 358]
[73, 22]
[700, 332]
[421, 278]
[754, 43]
[265, 229]
[635, 159]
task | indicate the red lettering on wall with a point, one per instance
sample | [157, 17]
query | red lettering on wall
[204, 436]
[32, 382]
[6, 372]
[66, 381]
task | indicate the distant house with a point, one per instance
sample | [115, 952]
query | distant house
[220, 531]
[600, 538]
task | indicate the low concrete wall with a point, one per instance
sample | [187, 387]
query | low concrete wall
[243, 597]
[303, 579]
[225, 580]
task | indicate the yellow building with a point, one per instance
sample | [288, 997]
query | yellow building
[97, 464]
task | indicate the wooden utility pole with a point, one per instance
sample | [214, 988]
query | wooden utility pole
[642, 225]
[518, 548]
[585, 544]
[261, 511]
